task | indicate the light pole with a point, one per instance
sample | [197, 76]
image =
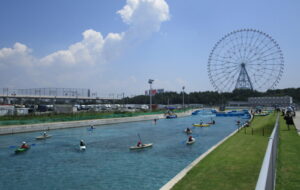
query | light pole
[183, 96]
[123, 100]
[150, 81]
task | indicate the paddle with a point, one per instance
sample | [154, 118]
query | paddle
[183, 142]
[14, 146]
[140, 138]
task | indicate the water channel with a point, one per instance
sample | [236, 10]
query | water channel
[56, 163]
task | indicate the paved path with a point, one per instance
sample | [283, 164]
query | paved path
[297, 121]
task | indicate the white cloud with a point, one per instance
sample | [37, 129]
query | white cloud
[88, 51]
[145, 13]
[144, 17]
[19, 54]
[86, 57]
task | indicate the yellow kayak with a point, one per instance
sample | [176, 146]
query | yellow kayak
[201, 125]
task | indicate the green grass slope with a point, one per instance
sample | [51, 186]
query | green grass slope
[235, 164]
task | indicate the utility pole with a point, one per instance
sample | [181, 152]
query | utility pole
[183, 96]
[123, 94]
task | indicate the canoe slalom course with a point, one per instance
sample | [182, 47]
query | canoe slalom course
[108, 158]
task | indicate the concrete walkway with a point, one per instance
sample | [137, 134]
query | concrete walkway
[297, 121]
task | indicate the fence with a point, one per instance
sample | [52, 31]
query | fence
[267, 175]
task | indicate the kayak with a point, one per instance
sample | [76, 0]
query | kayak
[201, 125]
[261, 114]
[91, 129]
[190, 142]
[19, 150]
[171, 116]
[43, 137]
[141, 147]
[188, 132]
[82, 147]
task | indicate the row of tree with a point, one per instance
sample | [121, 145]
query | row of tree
[210, 97]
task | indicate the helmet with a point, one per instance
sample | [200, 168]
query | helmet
[24, 142]
[81, 140]
[191, 137]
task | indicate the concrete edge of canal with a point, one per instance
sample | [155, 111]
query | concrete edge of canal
[12, 129]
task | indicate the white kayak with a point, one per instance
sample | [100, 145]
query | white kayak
[43, 137]
[82, 147]
[190, 142]
[141, 147]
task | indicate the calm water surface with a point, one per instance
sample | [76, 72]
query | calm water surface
[56, 163]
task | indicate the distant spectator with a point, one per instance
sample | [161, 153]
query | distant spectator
[288, 120]
[282, 112]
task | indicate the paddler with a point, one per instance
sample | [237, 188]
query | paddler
[82, 143]
[139, 144]
[188, 130]
[24, 145]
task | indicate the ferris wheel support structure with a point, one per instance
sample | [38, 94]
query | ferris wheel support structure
[243, 81]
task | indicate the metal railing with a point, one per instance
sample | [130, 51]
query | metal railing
[267, 175]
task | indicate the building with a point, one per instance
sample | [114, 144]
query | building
[282, 101]
[7, 110]
[237, 103]
[154, 91]
[21, 111]
[65, 108]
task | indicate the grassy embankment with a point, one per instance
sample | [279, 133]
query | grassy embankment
[236, 163]
[288, 163]
[51, 117]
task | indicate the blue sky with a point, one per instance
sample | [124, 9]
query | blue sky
[92, 44]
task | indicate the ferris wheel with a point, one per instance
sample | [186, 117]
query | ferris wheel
[245, 59]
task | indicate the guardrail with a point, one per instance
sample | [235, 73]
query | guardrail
[267, 175]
